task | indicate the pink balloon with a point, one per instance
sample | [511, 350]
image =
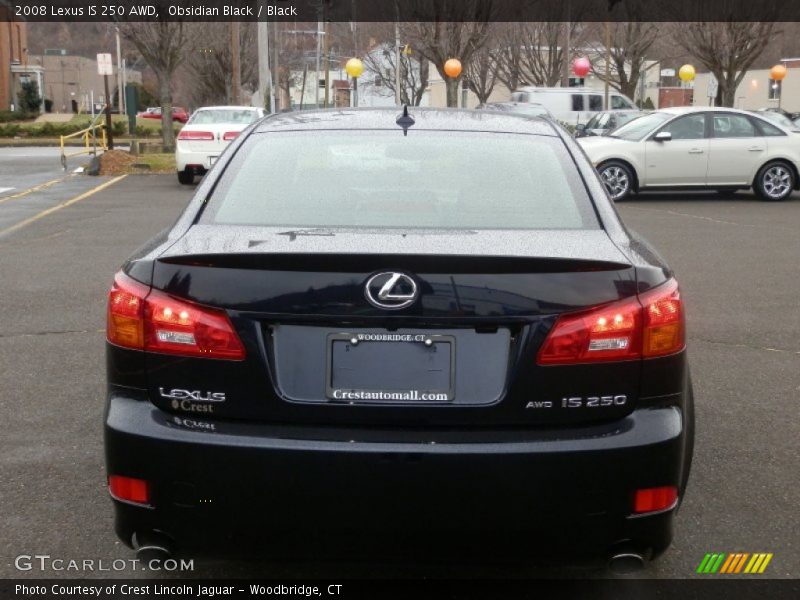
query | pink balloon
[581, 66]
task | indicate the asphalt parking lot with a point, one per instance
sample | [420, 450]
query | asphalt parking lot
[737, 260]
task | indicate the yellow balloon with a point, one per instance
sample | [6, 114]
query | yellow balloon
[354, 67]
[686, 73]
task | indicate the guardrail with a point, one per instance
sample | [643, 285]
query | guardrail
[88, 134]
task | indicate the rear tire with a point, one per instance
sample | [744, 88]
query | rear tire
[774, 182]
[617, 178]
[186, 177]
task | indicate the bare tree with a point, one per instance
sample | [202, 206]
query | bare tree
[630, 44]
[533, 53]
[210, 62]
[481, 74]
[726, 49]
[163, 46]
[440, 40]
[381, 63]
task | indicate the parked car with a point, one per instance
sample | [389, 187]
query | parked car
[429, 331]
[522, 108]
[207, 134]
[792, 116]
[697, 148]
[603, 122]
[572, 105]
[779, 119]
[154, 112]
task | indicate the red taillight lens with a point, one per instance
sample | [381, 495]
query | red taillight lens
[610, 333]
[647, 326]
[195, 136]
[176, 327]
[129, 489]
[654, 499]
[231, 135]
[155, 322]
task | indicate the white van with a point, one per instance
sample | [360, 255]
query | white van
[572, 105]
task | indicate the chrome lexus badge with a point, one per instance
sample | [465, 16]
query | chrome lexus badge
[391, 290]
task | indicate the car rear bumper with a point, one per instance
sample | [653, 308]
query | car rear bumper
[236, 488]
[200, 162]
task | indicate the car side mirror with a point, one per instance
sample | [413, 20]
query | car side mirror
[580, 126]
[662, 136]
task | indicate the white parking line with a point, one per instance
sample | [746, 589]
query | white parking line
[4, 190]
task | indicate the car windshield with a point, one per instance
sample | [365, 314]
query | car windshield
[428, 179]
[219, 116]
[640, 127]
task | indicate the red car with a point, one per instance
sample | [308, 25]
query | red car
[178, 113]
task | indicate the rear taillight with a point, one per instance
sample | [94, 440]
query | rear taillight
[231, 135]
[650, 500]
[125, 323]
[155, 322]
[129, 489]
[664, 328]
[195, 136]
[648, 326]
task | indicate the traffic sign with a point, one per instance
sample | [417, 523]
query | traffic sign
[104, 64]
[713, 86]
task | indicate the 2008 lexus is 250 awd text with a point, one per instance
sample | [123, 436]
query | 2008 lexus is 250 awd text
[428, 327]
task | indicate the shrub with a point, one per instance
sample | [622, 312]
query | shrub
[9, 130]
[14, 115]
[29, 98]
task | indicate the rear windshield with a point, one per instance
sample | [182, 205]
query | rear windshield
[429, 179]
[220, 116]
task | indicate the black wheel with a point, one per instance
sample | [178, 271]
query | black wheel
[774, 182]
[186, 177]
[618, 179]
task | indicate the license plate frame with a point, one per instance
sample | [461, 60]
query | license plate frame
[392, 395]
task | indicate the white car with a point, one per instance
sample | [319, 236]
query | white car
[207, 133]
[698, 147]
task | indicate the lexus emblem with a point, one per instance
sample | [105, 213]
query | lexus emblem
[391, 290]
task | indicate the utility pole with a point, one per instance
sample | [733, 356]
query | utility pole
[263, 59]
[236, 79]
[120, 88]
[567, 44]
[316, 73]
[397, 63]
[276, 101]
[608, 64]
[327, 64]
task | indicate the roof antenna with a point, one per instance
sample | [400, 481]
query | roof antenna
[405, 120]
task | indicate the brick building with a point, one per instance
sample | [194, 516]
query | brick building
[14, 65]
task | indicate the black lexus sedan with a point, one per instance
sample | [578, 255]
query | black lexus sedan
[429, 332]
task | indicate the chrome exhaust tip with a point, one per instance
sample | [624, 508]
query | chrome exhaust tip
[152, 546]
[626, 562]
